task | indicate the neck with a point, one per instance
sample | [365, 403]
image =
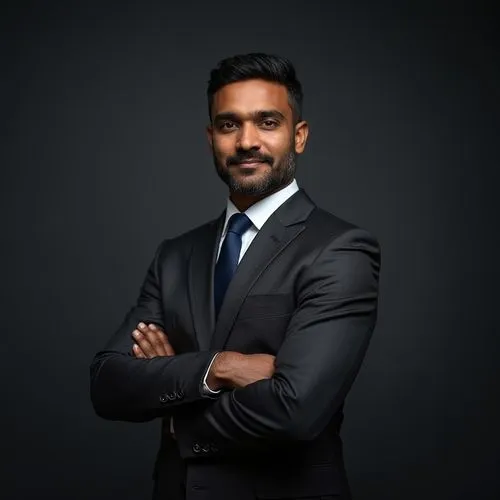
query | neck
[244, 202]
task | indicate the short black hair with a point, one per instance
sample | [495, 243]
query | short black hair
[268, 67]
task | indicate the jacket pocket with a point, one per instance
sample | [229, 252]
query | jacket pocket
[266, 306]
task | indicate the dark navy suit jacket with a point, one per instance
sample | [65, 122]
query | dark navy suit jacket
[305, 291]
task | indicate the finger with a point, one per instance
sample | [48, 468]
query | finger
[138, 352]
[161, 339]
[158, 339]
[143, 341]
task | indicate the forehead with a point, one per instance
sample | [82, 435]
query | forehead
[251, 95]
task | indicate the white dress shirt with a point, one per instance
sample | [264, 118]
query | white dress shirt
[258, 213]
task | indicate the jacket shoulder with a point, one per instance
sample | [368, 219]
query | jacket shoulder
[328, 228]
[331, 223]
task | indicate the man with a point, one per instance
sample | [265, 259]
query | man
[250, 329]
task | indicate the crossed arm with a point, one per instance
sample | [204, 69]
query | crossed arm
[314, 369]
[230, 370]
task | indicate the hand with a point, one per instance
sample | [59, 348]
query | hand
[234, 370]
[151, 341]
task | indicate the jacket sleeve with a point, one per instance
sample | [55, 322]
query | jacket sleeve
[325, 343]
[123, 387]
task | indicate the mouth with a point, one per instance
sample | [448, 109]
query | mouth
[250, 162]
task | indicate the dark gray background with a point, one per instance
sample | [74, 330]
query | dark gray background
[104, 155]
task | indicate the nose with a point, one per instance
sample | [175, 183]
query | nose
[248, 137]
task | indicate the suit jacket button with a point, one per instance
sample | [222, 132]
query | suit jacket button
[164, 398]
[180, 395]
[171, 396]
[205, 448]
[196, 448]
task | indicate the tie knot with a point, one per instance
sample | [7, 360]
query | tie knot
[238, 223]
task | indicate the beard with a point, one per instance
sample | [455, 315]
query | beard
[277, 176]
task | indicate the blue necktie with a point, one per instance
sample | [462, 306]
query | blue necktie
[228, 256]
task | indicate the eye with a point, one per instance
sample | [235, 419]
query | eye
[269, 124]
[227, 126]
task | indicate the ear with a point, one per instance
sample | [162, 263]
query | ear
[301, 134]
[209, 131]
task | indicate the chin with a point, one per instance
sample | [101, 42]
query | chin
[252, 185]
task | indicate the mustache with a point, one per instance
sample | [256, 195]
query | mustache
[241, 157]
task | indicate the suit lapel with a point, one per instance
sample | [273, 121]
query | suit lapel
[284, 225]
[201, 279]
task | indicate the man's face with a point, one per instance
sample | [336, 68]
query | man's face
[254, 140]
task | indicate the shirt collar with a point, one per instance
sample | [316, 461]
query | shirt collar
[259, 212]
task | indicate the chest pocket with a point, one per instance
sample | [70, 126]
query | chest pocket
[266, 306]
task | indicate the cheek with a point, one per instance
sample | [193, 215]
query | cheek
[221, 150]
[278, 144]
[223, 147]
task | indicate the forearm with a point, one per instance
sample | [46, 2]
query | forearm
[294, 405]
[130, 389]
[256, 418]
[263, 416]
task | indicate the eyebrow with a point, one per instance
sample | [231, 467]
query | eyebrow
[256, 115]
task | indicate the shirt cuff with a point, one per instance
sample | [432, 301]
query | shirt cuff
[206, 389]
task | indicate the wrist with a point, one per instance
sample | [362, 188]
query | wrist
[222, 370]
